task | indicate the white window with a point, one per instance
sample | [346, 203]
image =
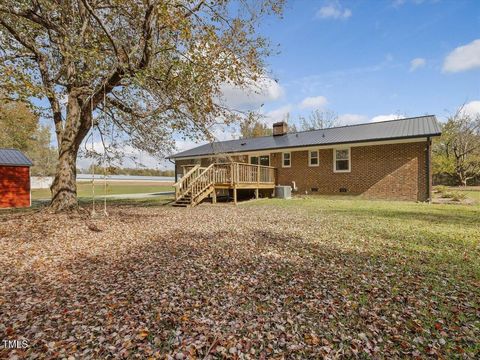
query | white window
[286, 160]
[341, 160]
[313, 158]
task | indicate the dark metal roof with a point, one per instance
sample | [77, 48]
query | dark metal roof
[13, 157]
[415, 127]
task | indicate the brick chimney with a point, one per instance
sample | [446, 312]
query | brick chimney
[280, 128]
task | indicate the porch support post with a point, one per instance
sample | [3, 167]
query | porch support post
[235, 195]
[214, 196]
[256, 193]
[258, 175]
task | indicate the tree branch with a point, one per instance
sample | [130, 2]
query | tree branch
[43, 68]
[102, 25]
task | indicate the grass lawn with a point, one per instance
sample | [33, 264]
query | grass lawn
[84, 189]
[473, 192]
[303, 278]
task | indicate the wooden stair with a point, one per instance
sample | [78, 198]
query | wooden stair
[184, 201]
[200, 182]
[194, 187]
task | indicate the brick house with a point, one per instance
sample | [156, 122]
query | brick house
[388, 160]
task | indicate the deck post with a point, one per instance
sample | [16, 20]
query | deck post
[258, 175]
[256, 193]
[214, 196]
[235, 195]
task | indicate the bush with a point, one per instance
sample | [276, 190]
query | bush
[440, 189]
[454, 195]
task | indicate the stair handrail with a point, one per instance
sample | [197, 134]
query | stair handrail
[192, 185]
[178, 184]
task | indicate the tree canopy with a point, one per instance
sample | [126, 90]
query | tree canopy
[138, 71]
[457, 151]
[319, 119]
[20, 129]
[252, 127]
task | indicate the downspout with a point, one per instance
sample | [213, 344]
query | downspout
[427, 160]
[176, 175]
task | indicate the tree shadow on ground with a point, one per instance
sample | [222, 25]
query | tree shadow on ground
[273, 293]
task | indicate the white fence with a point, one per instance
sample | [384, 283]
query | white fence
[41, 182]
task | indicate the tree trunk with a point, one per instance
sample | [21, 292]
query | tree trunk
[64, 187]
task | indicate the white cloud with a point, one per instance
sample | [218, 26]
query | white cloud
[472, 108]
[380, 118]
[417, 63]
[463, 58]
[333, 11]
[352, 119]
[252, 96]
[313, 102]
[279, 114]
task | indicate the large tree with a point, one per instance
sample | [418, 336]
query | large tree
[252, 126]
[18, 125]
[136, 70]
[20, 129]
[457, 151]
[319, 119]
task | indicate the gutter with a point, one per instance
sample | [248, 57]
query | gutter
[174, 164]
[427, 164]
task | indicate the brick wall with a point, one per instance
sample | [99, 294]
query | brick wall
[395, 171]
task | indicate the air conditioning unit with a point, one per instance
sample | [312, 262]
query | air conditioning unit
[283, 192]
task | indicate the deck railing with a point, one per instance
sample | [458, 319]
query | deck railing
[183, 184]
[252, 174]
[225, 174]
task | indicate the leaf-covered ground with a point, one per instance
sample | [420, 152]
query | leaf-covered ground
[306, 278]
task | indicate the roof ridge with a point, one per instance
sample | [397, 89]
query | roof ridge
[333, 127]
[406, 128]
[366, 123]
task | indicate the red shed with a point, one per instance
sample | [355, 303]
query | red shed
[14, 179]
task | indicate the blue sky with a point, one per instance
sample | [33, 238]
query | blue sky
[366, 61]
[355, 57]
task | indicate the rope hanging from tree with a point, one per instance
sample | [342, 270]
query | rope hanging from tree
[93, 161]
[103, 159]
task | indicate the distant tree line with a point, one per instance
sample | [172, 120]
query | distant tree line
[113, 170]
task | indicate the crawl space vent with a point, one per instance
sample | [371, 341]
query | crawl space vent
[343, 190]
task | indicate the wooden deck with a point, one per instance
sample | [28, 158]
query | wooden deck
[201, 182]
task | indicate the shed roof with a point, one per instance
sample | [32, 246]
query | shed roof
[13, 157]
[414, 127]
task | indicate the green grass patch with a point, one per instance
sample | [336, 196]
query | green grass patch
[430, 237]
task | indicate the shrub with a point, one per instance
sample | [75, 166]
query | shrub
[454, 195]
[440, 189]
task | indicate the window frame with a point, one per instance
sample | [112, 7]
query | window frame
[310, 158]
[335, 160]
[258, 156]
[289, 159]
